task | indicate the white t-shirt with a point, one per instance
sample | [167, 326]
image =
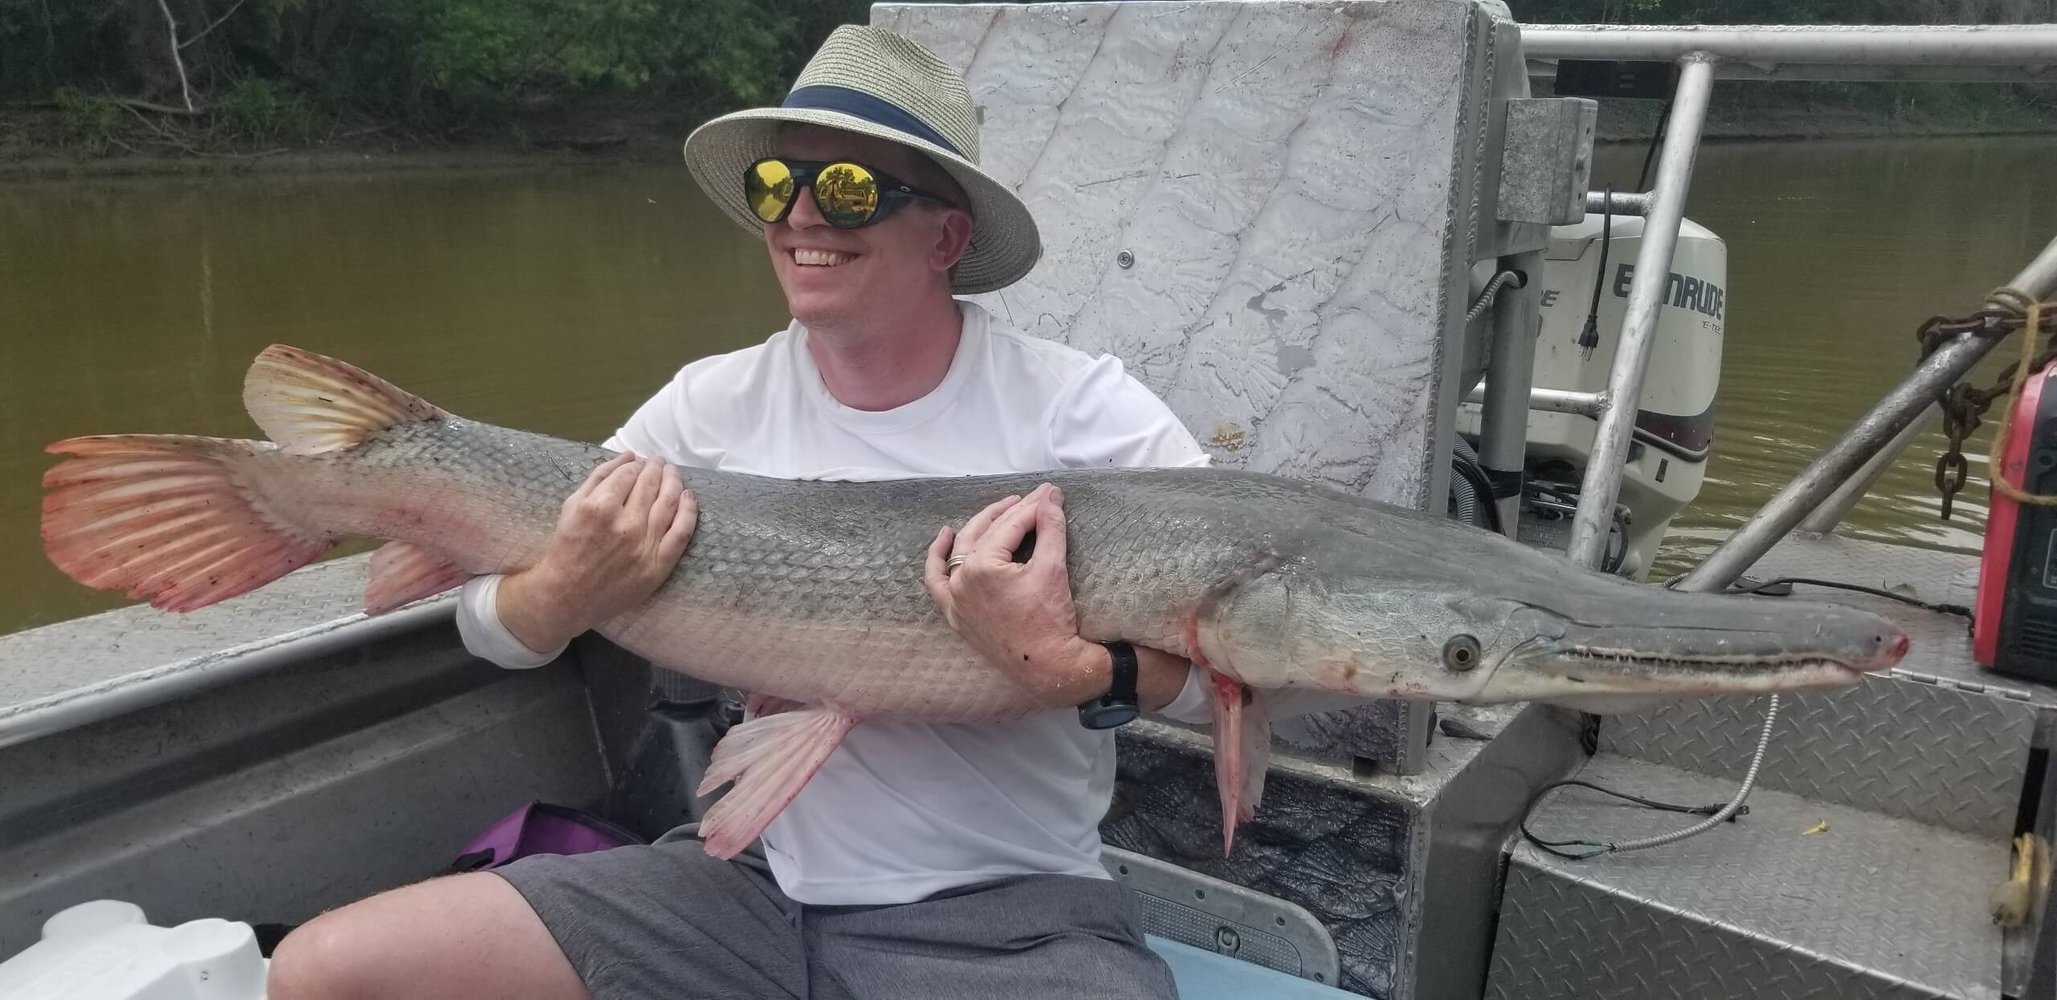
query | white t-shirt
[903, 810]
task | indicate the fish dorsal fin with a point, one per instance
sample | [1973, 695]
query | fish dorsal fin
[312, 404]
[403, 572]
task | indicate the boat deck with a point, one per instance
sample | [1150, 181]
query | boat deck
[1767, 891]
[1881, 823]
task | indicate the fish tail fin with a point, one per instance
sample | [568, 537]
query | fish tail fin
[312, 404]
[770, 759]
[1242, 752]
[170, 519]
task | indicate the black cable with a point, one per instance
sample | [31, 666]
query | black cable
[1948, 609]
[1589, 335]
[1663, 122]
[1599, 848]
[1613, 558]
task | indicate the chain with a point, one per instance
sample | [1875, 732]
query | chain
[1964, 406]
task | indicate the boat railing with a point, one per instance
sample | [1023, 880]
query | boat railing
[1834, 482]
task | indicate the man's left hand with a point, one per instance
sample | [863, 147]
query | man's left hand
[1020, 615]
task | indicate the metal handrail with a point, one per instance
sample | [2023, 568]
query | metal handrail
[1885, 422]
[2031, 50]
[1982, 52]
[1667, 209]
[1874, 45]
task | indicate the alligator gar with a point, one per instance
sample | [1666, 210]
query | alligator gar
[811, 593]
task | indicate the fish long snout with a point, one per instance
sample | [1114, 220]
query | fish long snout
[1698, 645]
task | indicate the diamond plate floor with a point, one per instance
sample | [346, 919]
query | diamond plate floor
[1920, 751]
[1941, 643]
[1871, 906]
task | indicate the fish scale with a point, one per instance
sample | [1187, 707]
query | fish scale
[811, 593]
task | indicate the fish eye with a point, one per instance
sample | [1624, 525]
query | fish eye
[1461, 653]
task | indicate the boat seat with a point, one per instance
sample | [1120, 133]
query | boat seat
[1205, 975]
[1222, 939]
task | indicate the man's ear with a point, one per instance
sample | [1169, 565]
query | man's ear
[953, 237]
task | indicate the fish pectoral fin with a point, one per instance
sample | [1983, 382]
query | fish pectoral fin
[770, 760]
[403, 572]
[312, 404]
[1242, 752]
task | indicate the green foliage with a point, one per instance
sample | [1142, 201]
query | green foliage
[263, 69]
[43, 45]
[470, 55]
[90, 120]
[259, 109]
[424, 58]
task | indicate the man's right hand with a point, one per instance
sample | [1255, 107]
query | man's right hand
[619, 536]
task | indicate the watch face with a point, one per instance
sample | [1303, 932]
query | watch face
[1101, 715]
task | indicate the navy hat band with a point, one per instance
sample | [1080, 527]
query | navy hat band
[858, 104]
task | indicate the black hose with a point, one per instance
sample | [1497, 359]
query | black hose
[1482, 488]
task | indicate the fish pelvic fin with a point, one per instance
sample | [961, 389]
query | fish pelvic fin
[169, 519]
[1242, 752]
[312, 404]
[1256, 753]
[403, 572]
[770, 760]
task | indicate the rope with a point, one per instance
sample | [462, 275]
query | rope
[1965, 405]
[2020, 303]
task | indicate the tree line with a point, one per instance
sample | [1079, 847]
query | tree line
[264, 63]
[420, 58]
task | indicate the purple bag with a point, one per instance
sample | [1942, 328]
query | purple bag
[541, 828]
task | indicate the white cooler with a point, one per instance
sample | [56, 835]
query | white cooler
[106, 950]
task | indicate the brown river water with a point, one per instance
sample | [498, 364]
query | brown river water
[558, 300]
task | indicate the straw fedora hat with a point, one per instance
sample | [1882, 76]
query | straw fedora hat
[873, 82]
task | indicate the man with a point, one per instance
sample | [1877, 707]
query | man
[921, 860]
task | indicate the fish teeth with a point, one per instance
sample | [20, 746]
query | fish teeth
[1771, 662]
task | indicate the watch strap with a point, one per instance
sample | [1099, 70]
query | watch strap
[1119, 704]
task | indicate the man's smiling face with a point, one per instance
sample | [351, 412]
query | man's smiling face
[837, 276]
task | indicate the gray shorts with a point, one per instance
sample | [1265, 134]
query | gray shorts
[668, 921]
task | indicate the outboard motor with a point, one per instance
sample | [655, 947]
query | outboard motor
[1582, 296]
[2014, 625]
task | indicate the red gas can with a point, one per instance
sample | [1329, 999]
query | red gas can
[2014, 624]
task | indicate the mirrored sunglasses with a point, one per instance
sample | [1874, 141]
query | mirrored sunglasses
[848, 195]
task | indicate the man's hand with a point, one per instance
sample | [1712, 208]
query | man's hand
[1020, 616]
[618, 537]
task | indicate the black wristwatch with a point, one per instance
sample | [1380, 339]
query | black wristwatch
[1118, 706]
